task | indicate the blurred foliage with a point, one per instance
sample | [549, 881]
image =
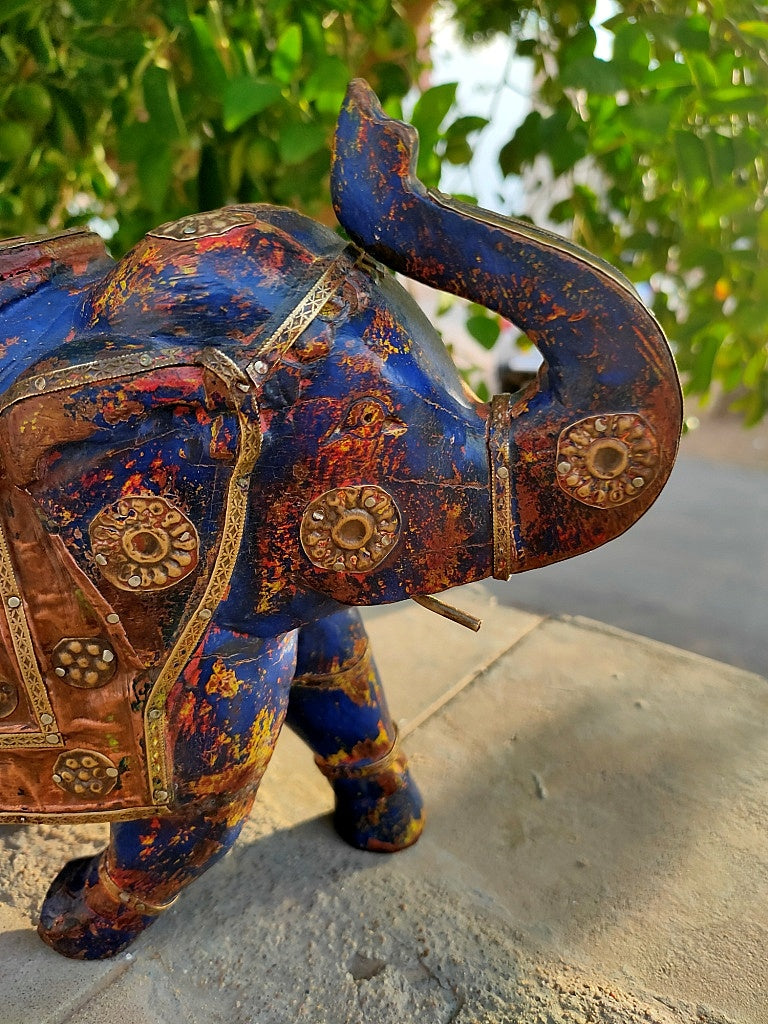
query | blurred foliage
[134, 113]
[145, 111]
[656, 156]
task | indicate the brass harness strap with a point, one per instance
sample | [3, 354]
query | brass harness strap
[324, 277]
[362, 771]
[129, 899]
[504, 548]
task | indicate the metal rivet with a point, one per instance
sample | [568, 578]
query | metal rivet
[40, 383]
[638, 481]
[56, 778]
[14, 602]
[107, 656]
[161, 795]
[60, 671]
[204, 613]
[154, 714]
[502, 472]
[46, 719]
[111, 773]
[563, 468]
[145, 360]
[52, 737]
[260, 366]
[134, 581]
[113, 617]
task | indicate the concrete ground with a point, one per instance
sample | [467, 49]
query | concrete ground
[595, 852]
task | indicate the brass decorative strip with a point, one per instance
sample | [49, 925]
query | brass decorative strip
[337, 680]
[129, 899]
[504, 551]
[29, 671]
[199, 621]
[361, 771]
[286, 325]
[93, 372]
[80, 817]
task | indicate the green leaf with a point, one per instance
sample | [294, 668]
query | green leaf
[156, 85]
[11, 7]
[297, 142]
[431, 110]
[484, 329]
[759, 29]
[209, 70]
[668, 75]
[596, 76]
[692, 163]
[245, 97]
[287, 56]
[115, 45]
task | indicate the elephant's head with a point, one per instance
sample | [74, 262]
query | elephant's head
[399, 482]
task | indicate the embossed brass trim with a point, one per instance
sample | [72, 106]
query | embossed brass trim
[198, 622]
[29, 671]
[353, 771]
[81, 817]
[94, 371]
[128, 364]
[288, 323]
[504, 548]
[129, 899]
[210, 224]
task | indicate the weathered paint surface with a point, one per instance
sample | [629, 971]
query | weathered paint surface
[213, 448]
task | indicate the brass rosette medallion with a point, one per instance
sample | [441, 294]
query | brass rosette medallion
[85, 773]
[350, 529]
[84, 662]
[144, 543]
[607, 460]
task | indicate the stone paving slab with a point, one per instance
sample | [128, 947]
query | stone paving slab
[594, 852]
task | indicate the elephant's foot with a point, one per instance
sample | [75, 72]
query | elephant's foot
[87, 917]
[378, 806]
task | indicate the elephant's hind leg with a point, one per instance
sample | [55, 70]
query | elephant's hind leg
[338, 707]
[96, 906]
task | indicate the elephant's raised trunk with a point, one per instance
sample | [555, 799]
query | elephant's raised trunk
[579, 456]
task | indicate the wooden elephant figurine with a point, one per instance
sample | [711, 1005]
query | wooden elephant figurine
[216, 448]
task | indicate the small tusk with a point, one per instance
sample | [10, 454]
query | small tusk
[449, 612]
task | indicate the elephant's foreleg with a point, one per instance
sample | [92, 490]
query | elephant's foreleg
[96, 906]
[338, 707]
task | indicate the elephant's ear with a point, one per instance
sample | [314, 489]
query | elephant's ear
[583, 453]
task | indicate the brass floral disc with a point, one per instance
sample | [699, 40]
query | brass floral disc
[85, 773]
[350, 529]
[607, 460]
[144, 543]
[84, 662]
[9, 698]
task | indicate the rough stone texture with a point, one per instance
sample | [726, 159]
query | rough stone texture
[595, 852]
